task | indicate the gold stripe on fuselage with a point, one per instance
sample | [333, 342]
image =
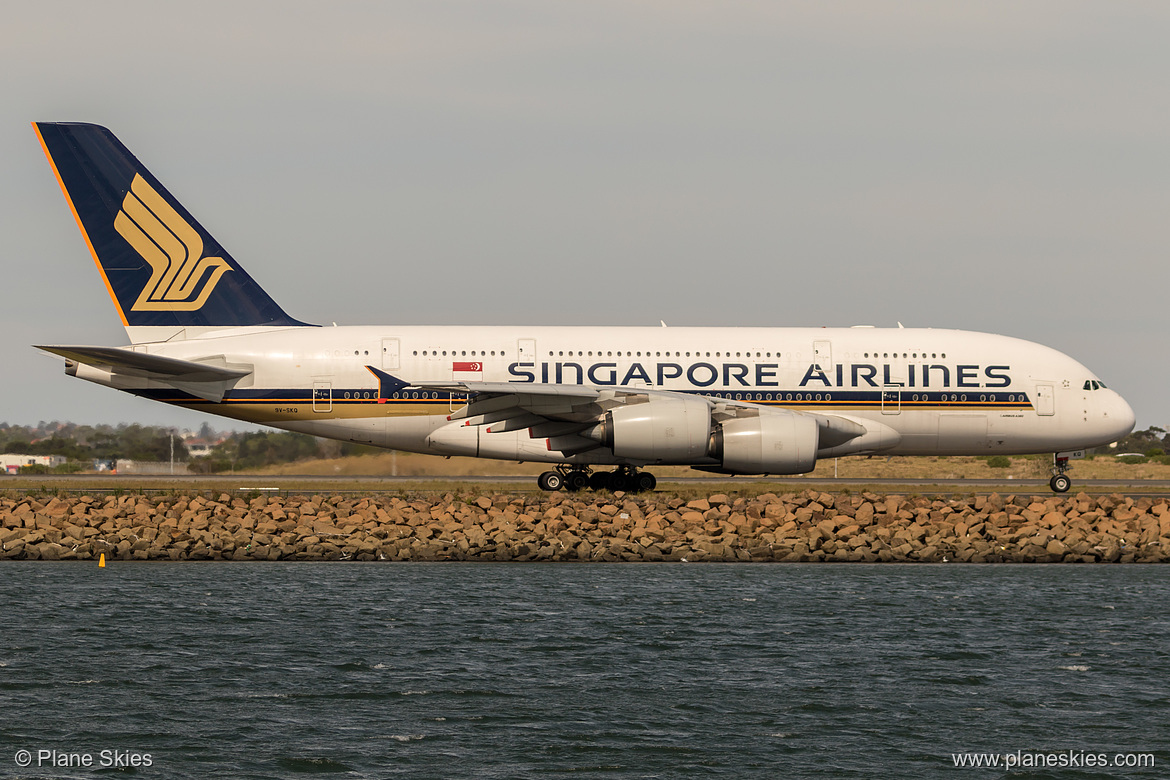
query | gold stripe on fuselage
[275, 413]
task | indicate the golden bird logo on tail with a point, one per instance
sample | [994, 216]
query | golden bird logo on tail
[181, 278]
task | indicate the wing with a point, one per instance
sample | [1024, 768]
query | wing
[568, 415]
[558, 413]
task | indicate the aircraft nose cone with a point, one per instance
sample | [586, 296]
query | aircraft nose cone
[1120, 417]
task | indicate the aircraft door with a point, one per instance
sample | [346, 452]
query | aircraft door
[526, 351]
[823, 355]
[892, 399]
[1045, 401]
[322, 396]
[389, 354]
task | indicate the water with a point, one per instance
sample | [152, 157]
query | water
[528, 670]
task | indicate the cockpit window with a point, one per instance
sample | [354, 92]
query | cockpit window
[1088, 384]
[1093, 384]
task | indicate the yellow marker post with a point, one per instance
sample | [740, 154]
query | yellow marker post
[102, 561]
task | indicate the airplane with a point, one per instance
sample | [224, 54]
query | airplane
[598, 404]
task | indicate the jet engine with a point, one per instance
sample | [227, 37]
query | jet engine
[665, 429]
[772, 443]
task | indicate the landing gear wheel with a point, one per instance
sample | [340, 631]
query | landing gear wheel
[644, 482]
[599, 480]
[619, 480]
[576, 480]
[550, 480]
[1060, 483]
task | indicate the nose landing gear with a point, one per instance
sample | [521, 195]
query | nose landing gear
[1060, 482]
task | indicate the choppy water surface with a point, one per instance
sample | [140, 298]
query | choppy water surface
[529, 670]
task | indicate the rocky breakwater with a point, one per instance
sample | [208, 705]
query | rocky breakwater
[809, 526]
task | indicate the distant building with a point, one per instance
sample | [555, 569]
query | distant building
[12, 463]
[198, 448]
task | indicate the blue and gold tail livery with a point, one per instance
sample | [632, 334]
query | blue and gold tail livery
[160, 266]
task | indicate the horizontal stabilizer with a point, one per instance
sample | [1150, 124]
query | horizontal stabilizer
[130, 363]
[210, 380]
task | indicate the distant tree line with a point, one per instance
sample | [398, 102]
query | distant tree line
[83, 444]
[91, 442]
[1152, 444]
[268, 448]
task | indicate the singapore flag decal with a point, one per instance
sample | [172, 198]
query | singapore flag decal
[468, 371]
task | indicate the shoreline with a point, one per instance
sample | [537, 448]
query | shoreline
[792, 527]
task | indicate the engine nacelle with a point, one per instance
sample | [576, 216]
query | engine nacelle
[663, 430]
[773, 443]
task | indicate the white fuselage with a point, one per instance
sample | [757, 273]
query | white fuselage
[204, 335]
[941, 391]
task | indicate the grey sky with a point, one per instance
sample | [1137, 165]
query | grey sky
[992, 166]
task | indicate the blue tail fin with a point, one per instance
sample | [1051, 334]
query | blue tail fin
[160, 266]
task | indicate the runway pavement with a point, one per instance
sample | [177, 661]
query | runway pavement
[76, 483]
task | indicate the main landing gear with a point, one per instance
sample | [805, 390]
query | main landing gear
[1060, 482]
[574, 478]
